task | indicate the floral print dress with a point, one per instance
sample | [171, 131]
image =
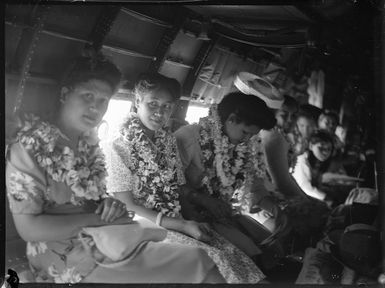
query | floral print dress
[45, 177]
[154, 183]
[31, 191]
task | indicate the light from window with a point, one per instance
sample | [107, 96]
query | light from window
[194, 113]
[117, 110]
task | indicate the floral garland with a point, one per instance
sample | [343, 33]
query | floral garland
[84, 173]
[228, 167]
[157, 166]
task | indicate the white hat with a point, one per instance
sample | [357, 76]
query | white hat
[252, 84]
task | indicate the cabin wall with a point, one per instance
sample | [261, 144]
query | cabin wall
[40, 40]
[132, 41]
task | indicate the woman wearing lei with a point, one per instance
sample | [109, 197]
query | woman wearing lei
[305, 215]
[55, 177]
[223, 161]
[277, 149]
[145, 172]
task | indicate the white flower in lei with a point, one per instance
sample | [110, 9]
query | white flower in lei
[228, 167]
[84, 173]
[157, 166]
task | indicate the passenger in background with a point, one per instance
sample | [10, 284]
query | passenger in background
[303, 127]
[328, 121]
[313, 163]
[342, 132]
[279, 152]
[145, 172]
[310, 110]
[285, 114]
[55, 179]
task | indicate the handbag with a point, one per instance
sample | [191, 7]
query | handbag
[358, 247]
[121, 242]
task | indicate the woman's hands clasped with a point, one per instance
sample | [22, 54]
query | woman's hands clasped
[220, 210]
[199, 231]
[111, 209]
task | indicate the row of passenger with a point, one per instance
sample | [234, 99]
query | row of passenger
[56, 186]
[203, 184]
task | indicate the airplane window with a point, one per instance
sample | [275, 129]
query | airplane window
[117, 110]
[194, 113]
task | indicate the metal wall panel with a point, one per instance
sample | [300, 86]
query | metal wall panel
[135, 34]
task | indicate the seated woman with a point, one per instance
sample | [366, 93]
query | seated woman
[55, 177]
[328, 121]
[277, 149]
[223, 163]
[313, 163]
[146, 174]
[285, 113]
[304, 125]
[279, 153]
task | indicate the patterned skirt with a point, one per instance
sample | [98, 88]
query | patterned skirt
[234, 265]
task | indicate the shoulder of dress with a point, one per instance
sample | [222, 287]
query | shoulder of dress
[19, 157]
[290, 136]
[119, 145]
[186, 129]
[187, 134]
[272, 135]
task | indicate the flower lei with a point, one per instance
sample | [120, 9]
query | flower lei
[84, 173]
[228, 167]
[157, 166]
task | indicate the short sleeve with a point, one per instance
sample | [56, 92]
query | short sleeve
[190, 152]
[26, 186]
[120, 178]
[185, 139]
[302, 175]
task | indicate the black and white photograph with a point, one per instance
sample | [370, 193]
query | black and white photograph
[193, 142]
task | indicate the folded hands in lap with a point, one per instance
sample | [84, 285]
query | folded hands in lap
[111, 209]
[199, 231]
[220, 210]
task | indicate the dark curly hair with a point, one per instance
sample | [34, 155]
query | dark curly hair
[248, 109]
[321, 136]
[95, 66]
[149, 82]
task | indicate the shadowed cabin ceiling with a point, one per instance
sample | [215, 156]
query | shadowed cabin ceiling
[172, 39]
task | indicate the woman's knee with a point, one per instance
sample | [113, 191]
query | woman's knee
[214, 276]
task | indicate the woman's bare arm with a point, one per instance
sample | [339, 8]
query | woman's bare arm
[277, 162]
[46, 227]
[196, 230]
[167, 222]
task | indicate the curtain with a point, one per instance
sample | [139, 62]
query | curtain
[316, 88]
[217, 75]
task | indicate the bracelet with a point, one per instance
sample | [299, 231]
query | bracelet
[130, 214]
[159, 219]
